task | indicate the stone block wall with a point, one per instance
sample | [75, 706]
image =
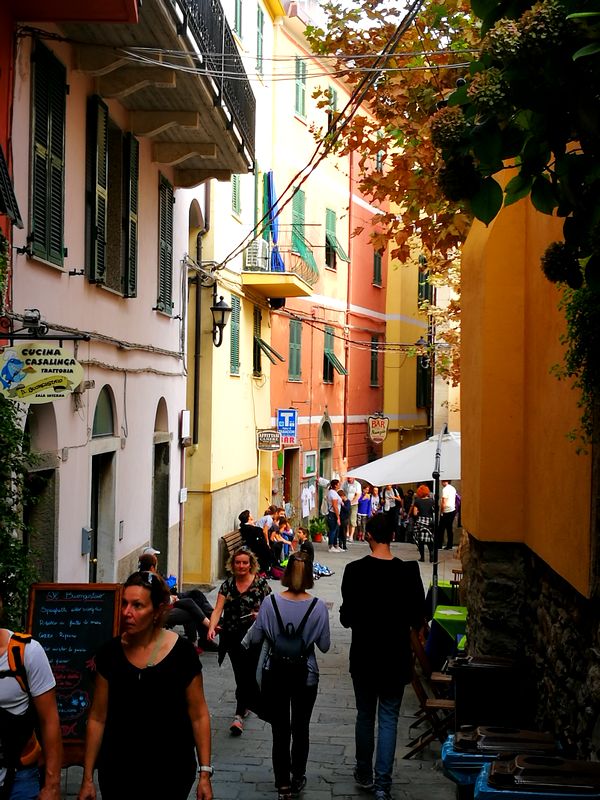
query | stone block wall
[520, 608]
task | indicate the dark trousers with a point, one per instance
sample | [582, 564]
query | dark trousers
[333, 527]
[243, 662]
[342, 530]
[290, 722]
[446, 523]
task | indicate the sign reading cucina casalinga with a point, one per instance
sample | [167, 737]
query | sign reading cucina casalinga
[38, 372]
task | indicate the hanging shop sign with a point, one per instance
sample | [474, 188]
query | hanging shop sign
[378, 428]
[287, 425]
[38, 372]
[268, 439]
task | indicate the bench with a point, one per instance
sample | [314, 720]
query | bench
[230, 542]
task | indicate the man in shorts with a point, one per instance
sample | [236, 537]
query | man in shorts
[353, 491]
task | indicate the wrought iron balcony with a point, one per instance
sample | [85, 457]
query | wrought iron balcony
[279, 271]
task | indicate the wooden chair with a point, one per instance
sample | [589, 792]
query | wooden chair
[457, 576]
[441, 682]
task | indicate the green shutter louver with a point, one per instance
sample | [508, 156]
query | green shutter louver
[98, 125]
[300, 98]
[330, 360]
[132, 149]
[236, 205]
[165, 254]
[295, 352]
[260, 26]
[377, 272]
[234, 356]
[374, 361]
[331, 240]
[48, 143]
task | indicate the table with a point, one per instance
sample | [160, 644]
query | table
[453, 620]
[448, 623]
[444, 595]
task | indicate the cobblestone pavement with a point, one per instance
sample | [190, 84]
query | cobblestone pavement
[243, 764]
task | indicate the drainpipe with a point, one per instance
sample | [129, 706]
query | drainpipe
[347, 323]
[197, 327]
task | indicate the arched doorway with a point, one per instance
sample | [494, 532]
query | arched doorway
[325, 452]
[102, 489]
[160, 485]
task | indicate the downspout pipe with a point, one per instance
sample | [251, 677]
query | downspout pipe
[197, 318]
[345, 448]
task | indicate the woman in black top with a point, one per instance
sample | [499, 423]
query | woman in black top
[423, 511]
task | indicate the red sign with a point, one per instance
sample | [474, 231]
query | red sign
[378, 428]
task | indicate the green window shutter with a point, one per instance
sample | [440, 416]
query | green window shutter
[377, 273]
[300, 99]
[237, 20]
[298, 205]
[48, 144]
[98, 193]
[260, 26]
[295, 356]
[131, 200]
[425, 291]
[266, 231]
[423, 384]
[234, 356]
[327, 349]
[236, 205]
[165, 254]
[374, 361]
[330, 221]
[256, 349]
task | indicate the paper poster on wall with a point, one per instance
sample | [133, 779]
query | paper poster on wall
[38, 372]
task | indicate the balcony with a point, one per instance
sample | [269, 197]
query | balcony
[69, 10]
[296, 279]
[179, 74]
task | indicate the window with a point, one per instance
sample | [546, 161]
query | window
[333, 249]
[330, 360]
[166, 200]
[374, 361]
[237, 19]
[234, 332]
[8, 201]
[49, 91]
[111, 202]
[332, 108]
[261, 347]
[423, 383]
[425, 291]
[295, 353]
[299, 242]
[236, 203]
[103, 424]
[377, 258]
[260, 33]
[300, 105]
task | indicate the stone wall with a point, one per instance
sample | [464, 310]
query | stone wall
[520, 608]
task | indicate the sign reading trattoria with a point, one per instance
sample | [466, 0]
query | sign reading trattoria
[378, 428]
[268, 439]
[38, 372]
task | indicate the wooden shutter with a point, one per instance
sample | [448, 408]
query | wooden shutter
[377, 268]
[260, 25]
[48, 144]
[234, 356]
[165, 254]
[300, 99]
[298, 202]
[295, 356]
[98, 125]
[256, 351]
[374, 361]
[235, 194]
[131, 204]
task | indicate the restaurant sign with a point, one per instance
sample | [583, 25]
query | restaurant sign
[268, 439]
[38, 372]
[378, 428]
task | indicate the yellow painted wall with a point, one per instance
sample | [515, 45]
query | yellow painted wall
[522, 480]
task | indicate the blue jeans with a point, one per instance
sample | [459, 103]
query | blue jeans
[332, 524]
[386, 702]
[26, 785]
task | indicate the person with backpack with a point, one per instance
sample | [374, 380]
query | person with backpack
[27, 702]
[292, 622]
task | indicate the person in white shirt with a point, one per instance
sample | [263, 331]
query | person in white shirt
[448, 512]
[353, 491]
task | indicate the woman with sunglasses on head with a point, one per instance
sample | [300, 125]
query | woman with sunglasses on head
[147, 678]
[236, 609]
[290, 697]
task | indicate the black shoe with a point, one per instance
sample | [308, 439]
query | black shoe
[363, 781]
[298, 785]
[422, 558]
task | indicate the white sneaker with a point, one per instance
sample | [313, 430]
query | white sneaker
[332, 549]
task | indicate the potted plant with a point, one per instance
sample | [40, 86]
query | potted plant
[317, 527]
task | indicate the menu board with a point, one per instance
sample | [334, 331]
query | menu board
[71, 621]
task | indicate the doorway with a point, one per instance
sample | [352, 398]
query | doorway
[39, 516]
[102, 518]
[291, 477]
[160, 503]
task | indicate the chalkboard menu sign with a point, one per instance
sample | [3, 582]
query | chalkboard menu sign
[71, 621]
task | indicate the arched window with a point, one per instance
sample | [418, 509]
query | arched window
[104, 424]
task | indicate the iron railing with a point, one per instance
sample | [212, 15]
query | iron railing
[207, 23]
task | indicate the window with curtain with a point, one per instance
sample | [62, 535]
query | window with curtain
[48, 99]
[300, 100]
[166, 198]
[374, 361]
[234, 336]
[112, 178]
[295, 352]
[377, 259]
[236, 203]
[260, 33]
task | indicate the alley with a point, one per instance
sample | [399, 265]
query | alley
[243, 765]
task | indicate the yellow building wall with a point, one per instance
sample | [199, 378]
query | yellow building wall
[522, 480]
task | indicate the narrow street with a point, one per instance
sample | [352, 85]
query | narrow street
[243, 765]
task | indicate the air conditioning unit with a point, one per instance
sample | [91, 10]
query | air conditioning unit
[257, 255]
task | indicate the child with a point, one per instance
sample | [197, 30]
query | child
[306, 546]
[364, 512]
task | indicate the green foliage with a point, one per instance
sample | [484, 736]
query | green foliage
[317, 525]
[16, 570]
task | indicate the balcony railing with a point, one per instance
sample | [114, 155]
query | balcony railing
[207, 23]
[258, 257]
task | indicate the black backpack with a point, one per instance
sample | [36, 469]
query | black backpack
[289, 652]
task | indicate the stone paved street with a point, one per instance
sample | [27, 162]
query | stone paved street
[243, 765]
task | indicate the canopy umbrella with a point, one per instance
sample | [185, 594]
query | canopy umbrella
[414, 464]
[277, 264]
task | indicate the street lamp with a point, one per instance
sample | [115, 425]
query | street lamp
[220, 313]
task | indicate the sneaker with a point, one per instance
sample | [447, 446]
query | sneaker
[362, 781]
[284, 793]
[237, 726]
[333, 549]
[298, 785]
[381, 794]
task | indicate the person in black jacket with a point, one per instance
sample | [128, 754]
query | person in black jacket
[256, 539]
[382, 598]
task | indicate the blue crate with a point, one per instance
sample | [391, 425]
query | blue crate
[483, 791]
